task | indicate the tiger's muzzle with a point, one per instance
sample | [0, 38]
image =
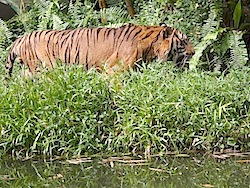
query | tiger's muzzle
[183, 60]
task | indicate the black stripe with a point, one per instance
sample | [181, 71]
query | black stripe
[130, 33]
[97, 32]
[62, 44]
[31, 56]
[25, 47]
[68, 50]
[35, 38]
[93, 39]
[86, 61]
[105, 33]
[56, 47]
[73, 35]
[175, 35]
[77, 50]
[90, 34]
[156, 38]
[180, 50]
[88, 37]
[124, 36]
[123, 29]
[64, 35]
[137, 54]
[74, 32]
[135, 35]
[39, 35]
[148, 34]
[150, 47]
[109, 30]
[115, 30]
[50, 37]
[64, 40]
[171, 47]
[77, 57]
[65, 55]
[68, 44]
[45, 32]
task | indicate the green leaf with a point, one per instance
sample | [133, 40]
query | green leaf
[237, 14]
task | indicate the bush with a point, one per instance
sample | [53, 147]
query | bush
[72, 112]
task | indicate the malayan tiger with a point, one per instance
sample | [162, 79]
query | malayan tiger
[112, 49]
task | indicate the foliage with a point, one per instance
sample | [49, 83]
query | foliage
[237, 14]
[220, 48]
[5, 40]
[72, 112]
[82, 14]
[219, 51]
[112, 14]
[186, 16]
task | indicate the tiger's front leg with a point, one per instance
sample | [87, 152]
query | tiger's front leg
[120, 64]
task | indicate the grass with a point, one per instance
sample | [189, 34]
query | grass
[68, 111]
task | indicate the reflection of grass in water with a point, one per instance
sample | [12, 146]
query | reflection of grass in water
[178, 172]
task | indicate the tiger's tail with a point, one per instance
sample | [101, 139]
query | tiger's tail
[11, 59]
[10, 63]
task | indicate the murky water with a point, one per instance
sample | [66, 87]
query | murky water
[161, 172]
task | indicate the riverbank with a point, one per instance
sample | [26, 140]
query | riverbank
[71, 112]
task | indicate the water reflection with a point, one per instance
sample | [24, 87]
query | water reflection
[160, 172]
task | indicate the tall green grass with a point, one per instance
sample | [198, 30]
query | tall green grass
[67, 111]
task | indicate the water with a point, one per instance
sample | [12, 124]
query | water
[161, 172]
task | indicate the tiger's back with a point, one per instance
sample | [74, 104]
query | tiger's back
[112, 48]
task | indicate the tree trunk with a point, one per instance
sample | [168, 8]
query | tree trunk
[130, 7]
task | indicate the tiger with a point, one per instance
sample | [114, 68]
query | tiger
[109, 49]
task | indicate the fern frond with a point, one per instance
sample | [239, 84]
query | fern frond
[112, 3]
[213, 21]
[58, 22]
[209, 39]
[112, 14]
[41, 5]
[238, 51]
[44, 18]
[82, 14]
[5, 36]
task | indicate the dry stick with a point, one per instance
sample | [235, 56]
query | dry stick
[102, 5]
[130, 7]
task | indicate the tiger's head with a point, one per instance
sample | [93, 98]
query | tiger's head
[181, 49]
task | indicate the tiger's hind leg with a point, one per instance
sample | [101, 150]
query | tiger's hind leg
[27, 73]
[31, 68]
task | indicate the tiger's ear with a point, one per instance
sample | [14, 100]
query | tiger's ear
[167, 31]
[162, 24]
